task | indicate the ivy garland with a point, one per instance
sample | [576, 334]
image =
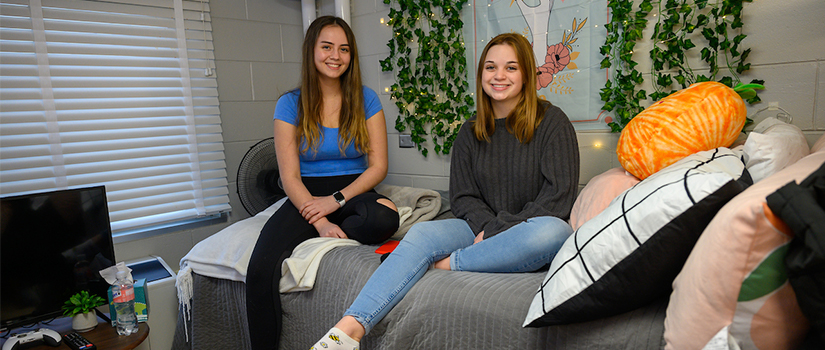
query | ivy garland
[431, 89]
[673, 36]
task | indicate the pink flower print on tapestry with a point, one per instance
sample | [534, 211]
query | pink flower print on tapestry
[544, 78]
[558, 56]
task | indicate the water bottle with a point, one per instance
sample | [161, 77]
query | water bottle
[123, 295]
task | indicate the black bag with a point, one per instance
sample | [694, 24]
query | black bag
[802, 208]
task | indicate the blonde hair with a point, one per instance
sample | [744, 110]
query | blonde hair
[528, 113]
[352, 125]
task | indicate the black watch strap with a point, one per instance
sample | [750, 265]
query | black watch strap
[339, 197]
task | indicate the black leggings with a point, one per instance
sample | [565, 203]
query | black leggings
[362, 218]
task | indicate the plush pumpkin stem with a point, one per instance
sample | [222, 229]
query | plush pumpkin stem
[748, 91]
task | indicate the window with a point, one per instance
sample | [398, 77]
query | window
[120, 93]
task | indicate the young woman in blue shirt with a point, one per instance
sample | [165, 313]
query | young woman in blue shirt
[331, 145]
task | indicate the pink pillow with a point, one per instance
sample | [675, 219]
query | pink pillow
[819, 145]
[598, 193]
[734, 283]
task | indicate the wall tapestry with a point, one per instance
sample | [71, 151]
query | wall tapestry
[566, 36]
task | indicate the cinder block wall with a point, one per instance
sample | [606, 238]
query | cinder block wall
[257, 49]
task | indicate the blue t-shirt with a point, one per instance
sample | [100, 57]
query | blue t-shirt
[328, 160]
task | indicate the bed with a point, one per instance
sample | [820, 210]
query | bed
[445, 310]
[688, 256]
[713, 273]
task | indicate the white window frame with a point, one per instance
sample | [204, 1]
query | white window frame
[121, 93]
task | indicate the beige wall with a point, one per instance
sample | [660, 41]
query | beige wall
[257, 49]
[257, 57]
[788, 52]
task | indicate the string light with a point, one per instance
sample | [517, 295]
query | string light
[396, 92]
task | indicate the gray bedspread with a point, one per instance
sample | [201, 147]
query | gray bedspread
[445, 310]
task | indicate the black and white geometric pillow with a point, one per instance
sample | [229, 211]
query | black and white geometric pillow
[628, 256]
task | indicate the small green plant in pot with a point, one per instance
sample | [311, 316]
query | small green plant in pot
[81, 307]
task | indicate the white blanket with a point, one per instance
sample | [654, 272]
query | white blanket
[226, 254]
[298, 271]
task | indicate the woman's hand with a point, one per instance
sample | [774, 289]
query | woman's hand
[479, 237]
[328, 229]
[318, 208]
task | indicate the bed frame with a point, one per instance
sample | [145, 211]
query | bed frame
[444, 310]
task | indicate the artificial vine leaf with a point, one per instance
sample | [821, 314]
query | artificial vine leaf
[737, 23]
[431, 87]
[673, 22]
[645, 6]
[727, 81]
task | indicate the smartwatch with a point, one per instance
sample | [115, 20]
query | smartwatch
[339, 197]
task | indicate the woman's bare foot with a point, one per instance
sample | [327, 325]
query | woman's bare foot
[443, 264]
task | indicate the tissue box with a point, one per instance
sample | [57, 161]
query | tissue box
[141, 302]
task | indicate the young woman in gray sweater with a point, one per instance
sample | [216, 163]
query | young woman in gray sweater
[513, 178]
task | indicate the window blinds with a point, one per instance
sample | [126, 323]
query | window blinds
[120, 93]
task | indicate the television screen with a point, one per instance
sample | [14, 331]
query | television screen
[52, 245]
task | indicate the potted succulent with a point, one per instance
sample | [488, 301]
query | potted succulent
[81, 307]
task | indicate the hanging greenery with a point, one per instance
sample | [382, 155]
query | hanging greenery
[678, 24]
[431, 89]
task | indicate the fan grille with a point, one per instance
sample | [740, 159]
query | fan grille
[258, 185]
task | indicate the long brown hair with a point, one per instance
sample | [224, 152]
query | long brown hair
[527, 115]
[352, 125]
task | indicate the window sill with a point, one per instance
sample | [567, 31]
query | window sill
[157, 230]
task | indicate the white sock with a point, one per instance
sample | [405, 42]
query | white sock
[335, 339]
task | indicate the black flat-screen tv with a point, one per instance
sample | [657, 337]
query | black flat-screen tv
[52, 245]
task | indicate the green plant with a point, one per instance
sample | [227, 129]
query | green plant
[81, 303]
[678, 24]
[431, 90]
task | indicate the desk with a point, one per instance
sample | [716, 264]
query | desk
[104, 336]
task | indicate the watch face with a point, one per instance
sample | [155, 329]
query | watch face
[338, 196]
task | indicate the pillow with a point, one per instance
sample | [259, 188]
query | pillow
[701, 117]
[628, 255]
[734, 282]
[819, 144]
[772, 146]
[598, 193]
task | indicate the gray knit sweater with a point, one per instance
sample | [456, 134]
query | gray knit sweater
[495, 185]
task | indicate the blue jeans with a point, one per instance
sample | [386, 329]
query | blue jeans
[524, 247]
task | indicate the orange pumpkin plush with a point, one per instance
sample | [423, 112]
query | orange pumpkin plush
[701, 117]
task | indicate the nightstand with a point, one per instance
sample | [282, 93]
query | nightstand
[104, 336]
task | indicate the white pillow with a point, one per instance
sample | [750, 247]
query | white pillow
[772, 146]
[629, 254]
